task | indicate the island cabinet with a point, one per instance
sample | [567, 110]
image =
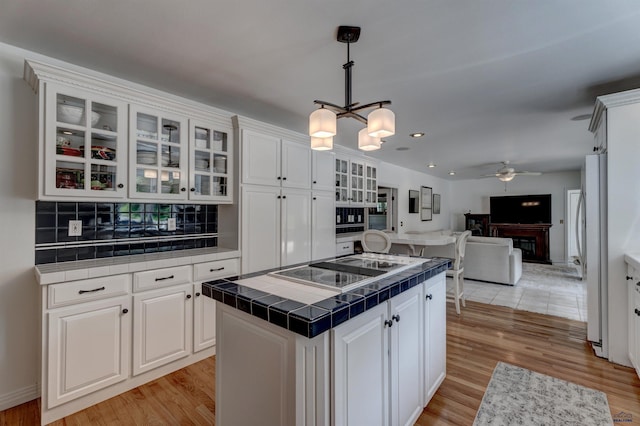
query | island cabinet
[377, 364]
[373, 356]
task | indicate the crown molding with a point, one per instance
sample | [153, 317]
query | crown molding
[36, 73]
[611, 101]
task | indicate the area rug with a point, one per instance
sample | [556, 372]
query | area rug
[517, 396]
[560, 277]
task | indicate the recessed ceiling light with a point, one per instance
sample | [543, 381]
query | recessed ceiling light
[417, 134]
[451, 173]
[431, 165]
[402, 148]
[581, 117]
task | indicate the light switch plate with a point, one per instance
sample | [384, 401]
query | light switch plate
[171, 224]
[75, 228]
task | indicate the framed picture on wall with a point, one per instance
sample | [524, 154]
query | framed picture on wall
[436, 203]
[425, 214]
[425, 197]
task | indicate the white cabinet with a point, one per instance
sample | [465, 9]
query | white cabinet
[162, 327]
[210, 162]
[435, 335]
[276, 227]
[371, 184]
[204, 308]
[269, 160]
[204, 320]
[343, 248]
[322, 171]
[84, 144]
[88, 348]
[158, 154]
[323, 227]
[356, 182]
[361, 369]
[633, 300]
[378, 364]
[105, 139]
[406, 357]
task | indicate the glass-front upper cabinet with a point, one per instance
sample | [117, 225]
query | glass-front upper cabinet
[357, 182]
[158, 149]
[85, 144]
[371, 197]
[210, 162]
[342, 180]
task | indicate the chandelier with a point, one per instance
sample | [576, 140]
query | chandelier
[380, 122]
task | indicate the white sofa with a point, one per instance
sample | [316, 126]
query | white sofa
[486, 259]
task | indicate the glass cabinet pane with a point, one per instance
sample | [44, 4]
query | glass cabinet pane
[203, 138]
[219, 141]
[70, 142]
[71, 110]
[102, 178]
[219, 186]
[69, 175]
[105, 116]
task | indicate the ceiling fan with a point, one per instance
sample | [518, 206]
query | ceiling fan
[506, 173]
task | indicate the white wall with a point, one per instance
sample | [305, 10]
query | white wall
[473, 195]
[403, 179]
[19, 313]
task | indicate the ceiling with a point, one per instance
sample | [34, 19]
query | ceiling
[487, 81]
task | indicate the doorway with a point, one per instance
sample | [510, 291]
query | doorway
[384, 215]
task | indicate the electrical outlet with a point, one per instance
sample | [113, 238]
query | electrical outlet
[75, 228]
[171, 224]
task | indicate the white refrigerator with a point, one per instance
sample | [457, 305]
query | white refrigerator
[592, 212]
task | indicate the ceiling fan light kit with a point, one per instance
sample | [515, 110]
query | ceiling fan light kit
[380, 122]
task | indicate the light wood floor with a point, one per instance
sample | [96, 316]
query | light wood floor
[476, 340]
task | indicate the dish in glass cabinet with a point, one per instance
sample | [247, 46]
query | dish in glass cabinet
[66, 150]
[147, 134]
[74, 114]
[202, 164]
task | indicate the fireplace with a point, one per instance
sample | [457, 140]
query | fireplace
[532, 239]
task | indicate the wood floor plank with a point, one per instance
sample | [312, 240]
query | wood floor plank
[476, 340]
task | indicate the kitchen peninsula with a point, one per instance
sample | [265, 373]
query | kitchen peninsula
[355, 340]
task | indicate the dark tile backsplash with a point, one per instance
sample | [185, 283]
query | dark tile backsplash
[349, 219]
[129, 226]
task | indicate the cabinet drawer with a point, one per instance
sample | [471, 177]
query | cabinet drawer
[344, 248]
[72, 292]
[216, 269]
[159, 278]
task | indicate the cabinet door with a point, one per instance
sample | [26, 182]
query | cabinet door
[406, 358]
[371, 185]
[435, 334]
[296, 165]
[210, 162]
[322, 171]
[204, 320]
[158, 155]
[162, 327]
[323, 226]
[361, 370]
[88, 349]
[260, 228]
[260, 159]
[356, 182]
[296, 227]
[85, 140]
[342, 181]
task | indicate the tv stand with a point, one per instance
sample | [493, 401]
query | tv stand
[532, 239]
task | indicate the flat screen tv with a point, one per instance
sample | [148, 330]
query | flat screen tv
[521, 209]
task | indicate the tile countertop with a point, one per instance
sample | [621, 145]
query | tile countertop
[51, 273]
[633, 259]
[310, 320]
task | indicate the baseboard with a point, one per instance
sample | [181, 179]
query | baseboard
[19, 396]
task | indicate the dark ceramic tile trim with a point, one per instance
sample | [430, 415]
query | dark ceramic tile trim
[315, 319]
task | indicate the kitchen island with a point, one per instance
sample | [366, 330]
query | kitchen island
[294, 349]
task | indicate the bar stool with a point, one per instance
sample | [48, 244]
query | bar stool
[457, 271]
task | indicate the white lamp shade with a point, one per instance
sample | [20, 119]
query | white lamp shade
[322, 144]
[150, 174]
[381, 123]
[506, 178]
[322, 123]
[366, 142]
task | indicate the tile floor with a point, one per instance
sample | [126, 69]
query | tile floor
[567, 301]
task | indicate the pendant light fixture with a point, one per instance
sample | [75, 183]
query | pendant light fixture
[381, 122]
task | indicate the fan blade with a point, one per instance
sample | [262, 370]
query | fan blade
[528, 173]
